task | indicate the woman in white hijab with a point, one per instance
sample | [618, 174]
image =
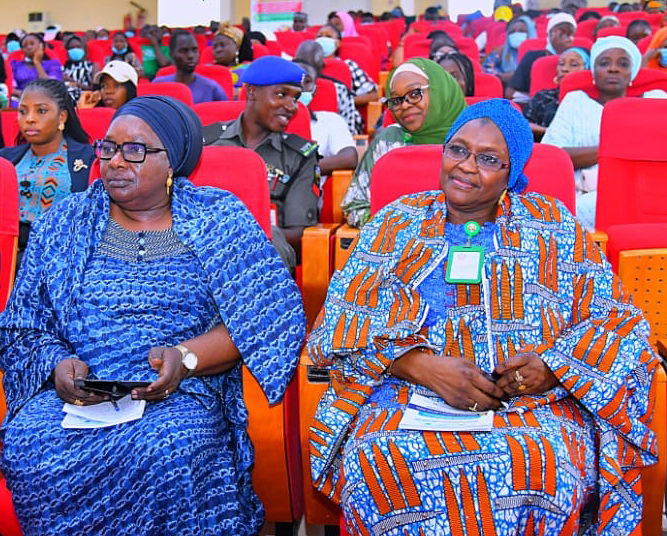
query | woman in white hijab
[615, 62]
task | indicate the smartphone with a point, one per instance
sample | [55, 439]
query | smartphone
[114, 388]
[490, 376]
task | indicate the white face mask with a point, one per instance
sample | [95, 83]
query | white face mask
[328, 45]
[306, 97]
[516, 38]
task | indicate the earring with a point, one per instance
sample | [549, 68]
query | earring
[61, 127]
[556, 80]
[170, 182]
[502, 197]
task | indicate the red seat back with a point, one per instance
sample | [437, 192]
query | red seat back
[259, 50]
[290, 41]
[612, 30]
[542, 74]
[95, 121]
[170, 89]
[274, 48]
[10, 127]
[418, 47]
[9, 227]
[338, 69]
[467, 47]
[218, 73]
[206, 56]
[241, 172]
[210, 112]
[585, 28]
[488, 85]
[540, 43]
[363, 55]
[325, 98]
[549, 172]
[631, 176]
[646, 80]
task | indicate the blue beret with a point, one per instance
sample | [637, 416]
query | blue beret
[271, 70]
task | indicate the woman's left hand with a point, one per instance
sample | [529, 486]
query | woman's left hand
[525, 374]
[169, 364]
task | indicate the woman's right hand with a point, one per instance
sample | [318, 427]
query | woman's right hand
[64, 375]
[459, 382]
[89, 99]
[38, 56]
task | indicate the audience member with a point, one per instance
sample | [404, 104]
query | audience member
[424, 100]
[608, 21]
[344, 23]
[273, 88]
[328, 129]
[52, 155]
[147, 278]
[155, 54]
[459, 66]
[638, 30]
[560, 33]
[615, 62]
[299, 21]
[35, 64]
[441, 44]
[102, 33]
[118, 84]
[540, 110]
[78, 72]
[12, 44]
[226, 48]
[363, 87]
[121, 50]
[184, 53]
[589, 15]
[504, 62]
[656, 54]
[311, 52]
[396, 326]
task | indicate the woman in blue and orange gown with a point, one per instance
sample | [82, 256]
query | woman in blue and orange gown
[548, 339]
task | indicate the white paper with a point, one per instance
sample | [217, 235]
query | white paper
[103, 414]
[425, 413]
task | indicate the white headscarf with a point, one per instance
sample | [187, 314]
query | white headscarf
[407, 68]
[616, 41]
[559, 18]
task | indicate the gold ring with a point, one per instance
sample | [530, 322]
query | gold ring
[78, 402]
[518, 377]
[473, 407]
[522, 387]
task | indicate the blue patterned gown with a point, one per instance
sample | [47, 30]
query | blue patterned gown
[184, 468]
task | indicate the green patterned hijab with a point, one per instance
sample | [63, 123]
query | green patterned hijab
[445, 105]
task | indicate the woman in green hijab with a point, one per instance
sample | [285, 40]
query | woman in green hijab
[425, 101]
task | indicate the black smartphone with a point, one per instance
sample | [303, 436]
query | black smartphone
[114, 388]
[492, 377]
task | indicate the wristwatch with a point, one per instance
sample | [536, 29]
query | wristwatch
[188, 358]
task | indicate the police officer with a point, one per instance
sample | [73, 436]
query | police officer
[273, 89]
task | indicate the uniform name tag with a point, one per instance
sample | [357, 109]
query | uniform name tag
[464, 264]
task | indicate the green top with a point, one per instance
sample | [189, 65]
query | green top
[445, 104]
[150, 63]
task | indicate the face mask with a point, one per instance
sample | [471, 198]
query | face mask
[105, 38]
[516, 38]
[13, 46]
[306, 97]
[76, 54]
[119, 50]
[328, 45]
[129, 34]
[663, 57]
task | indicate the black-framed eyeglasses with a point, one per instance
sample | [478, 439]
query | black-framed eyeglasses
[485, 161]
[412, 97]
[132, 151]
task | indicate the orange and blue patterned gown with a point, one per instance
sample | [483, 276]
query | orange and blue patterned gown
[562, 463]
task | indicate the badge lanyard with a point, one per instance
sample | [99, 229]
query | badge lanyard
[464, 263]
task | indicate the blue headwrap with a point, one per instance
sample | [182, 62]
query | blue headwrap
[515, 130]
[177, 126]
[583, 54]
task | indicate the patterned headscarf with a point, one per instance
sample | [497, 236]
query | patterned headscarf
[445, 104]
[515, 130]
[656, 42]
[616, 41]
[232, 32]
[177, 126]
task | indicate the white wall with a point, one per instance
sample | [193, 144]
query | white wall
[192, 12]
[319, 9]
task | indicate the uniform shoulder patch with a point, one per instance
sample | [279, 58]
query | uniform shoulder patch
[300, 145]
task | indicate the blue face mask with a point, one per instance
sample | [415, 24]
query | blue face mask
[76, 54]
[663, 57]
[516, 38]
[328, 45]
[306, 97]
[119, 50]
[129, 34]
[13, 46]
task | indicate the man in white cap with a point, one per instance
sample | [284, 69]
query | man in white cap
[560, 35]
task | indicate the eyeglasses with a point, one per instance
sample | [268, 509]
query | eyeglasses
[134, 152]
[412, 97]
[485, 161]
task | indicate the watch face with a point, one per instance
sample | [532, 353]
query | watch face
[190, 361]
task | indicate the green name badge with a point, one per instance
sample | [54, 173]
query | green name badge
[464, 264]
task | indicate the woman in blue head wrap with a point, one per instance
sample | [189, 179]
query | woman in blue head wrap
[541, 109]
[477, 298]
[143, 278]
[615, 62]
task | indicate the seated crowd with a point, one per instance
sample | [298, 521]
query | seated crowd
[537, 330]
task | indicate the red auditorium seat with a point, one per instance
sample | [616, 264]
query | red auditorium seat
[170, 89]
[325, 98]
[218, 73]
[10, 127]
[542, 74]
[612, 30]
[289, 41]
[259, 50]
[338, 69]
[95, 121]
[488, 85]
[364, 57]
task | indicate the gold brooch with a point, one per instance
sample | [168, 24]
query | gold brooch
[79, 165]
